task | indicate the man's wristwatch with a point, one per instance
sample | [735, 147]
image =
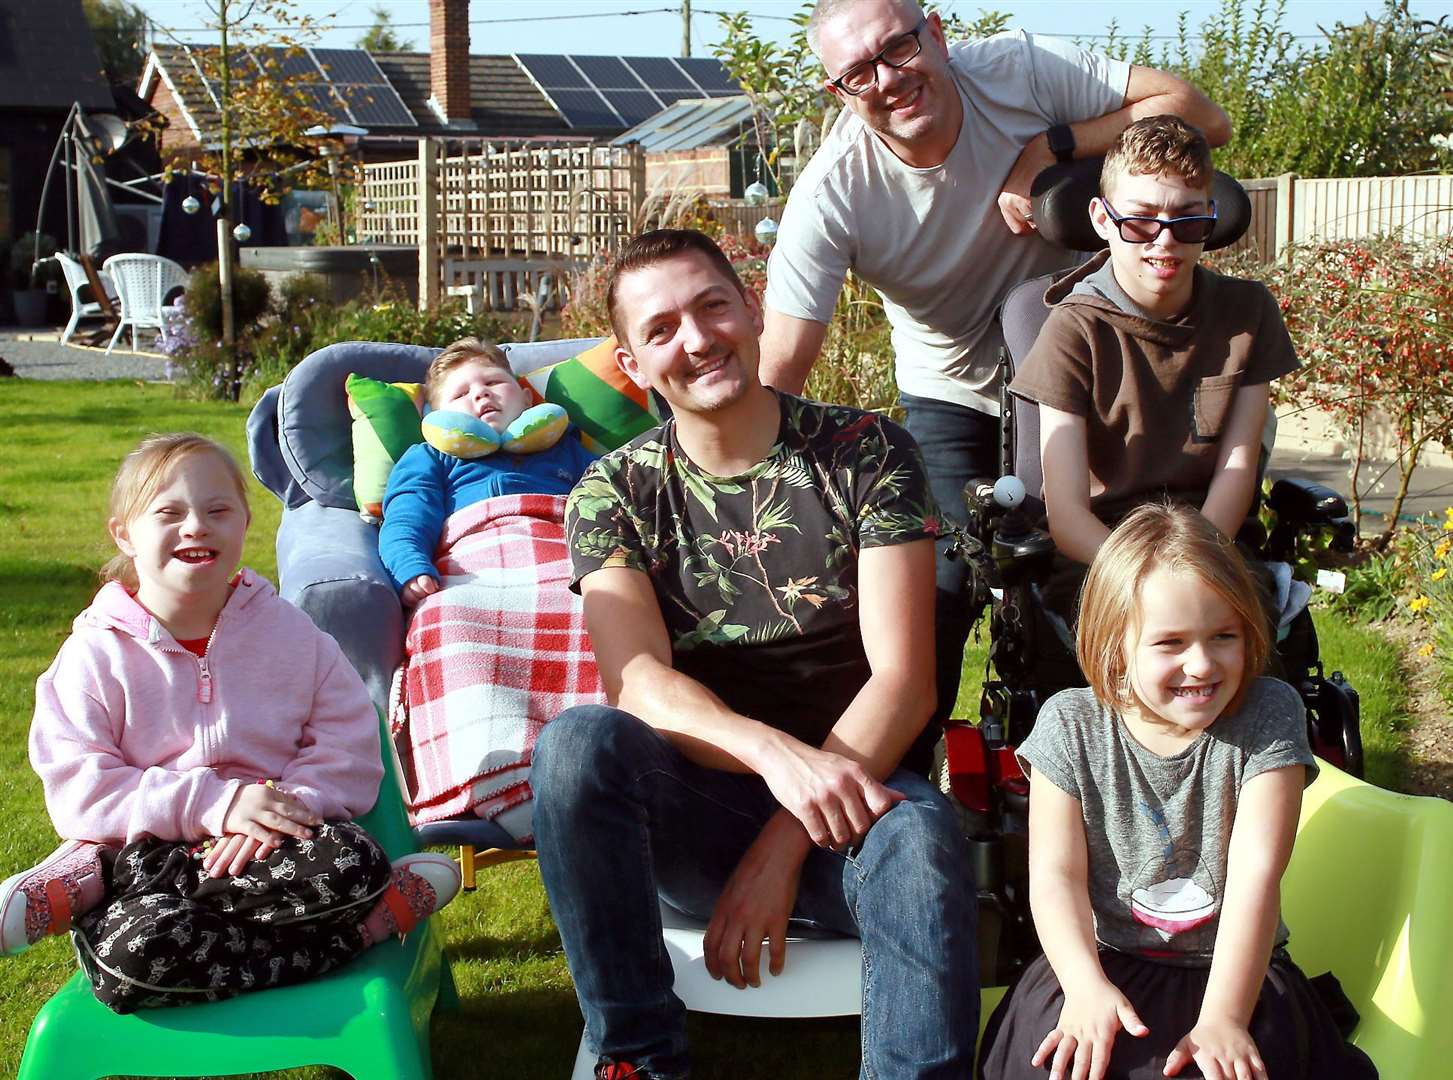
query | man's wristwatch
[1061, 143]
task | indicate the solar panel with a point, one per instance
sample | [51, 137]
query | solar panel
[244, 68]
[708, 74]
[349, 66]
[584, 109]
[670, 97]
[633, 105]
[320, 96]
[553, 72]
[660, 74]
[298, 65]
[376, 105]
[607, 72]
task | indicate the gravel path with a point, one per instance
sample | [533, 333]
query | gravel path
[40, 355]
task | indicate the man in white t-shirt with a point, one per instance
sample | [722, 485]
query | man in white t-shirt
[922, 189]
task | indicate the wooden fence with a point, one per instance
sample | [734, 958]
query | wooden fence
[1288, 210]
[501, 215]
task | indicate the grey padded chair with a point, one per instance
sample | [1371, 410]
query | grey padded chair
[300, 443]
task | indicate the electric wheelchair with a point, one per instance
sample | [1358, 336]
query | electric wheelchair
[1009, 553]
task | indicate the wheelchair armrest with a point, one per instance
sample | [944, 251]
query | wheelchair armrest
[1300, 505]
[1306, 502]
[328, 565]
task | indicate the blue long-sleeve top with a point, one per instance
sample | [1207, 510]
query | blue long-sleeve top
[426, 486]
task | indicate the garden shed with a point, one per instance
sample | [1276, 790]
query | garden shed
[699, 146]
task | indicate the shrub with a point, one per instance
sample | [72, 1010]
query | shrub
[1370, 320]
[251, 299]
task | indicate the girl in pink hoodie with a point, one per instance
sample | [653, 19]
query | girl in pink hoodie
[203, 748]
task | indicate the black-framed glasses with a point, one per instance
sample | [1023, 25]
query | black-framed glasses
[1139, 229]
[863, 76]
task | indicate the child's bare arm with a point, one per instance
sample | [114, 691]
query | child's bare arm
[1059, 896]
[1261, 846]
[1234, 483]
[1064, 459]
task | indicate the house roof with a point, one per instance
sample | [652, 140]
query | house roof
[48, 58]
[690, 124]
[388, 93]
[503, 101]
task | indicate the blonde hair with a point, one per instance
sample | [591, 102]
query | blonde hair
[141, 476]
[1155, 146]
[1178, 539]
[468, 350]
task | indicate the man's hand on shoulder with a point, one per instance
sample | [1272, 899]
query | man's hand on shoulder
[1014, 192]
[755, 904]
[835, 798]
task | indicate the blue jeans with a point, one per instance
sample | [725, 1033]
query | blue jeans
[959, 444]
[620, 813]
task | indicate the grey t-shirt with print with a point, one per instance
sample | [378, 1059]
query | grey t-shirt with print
[1158, 829]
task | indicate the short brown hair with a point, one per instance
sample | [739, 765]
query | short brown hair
[140, 477]
[657, 246]
[1158, 144]
[467, 350]
[1179, 539]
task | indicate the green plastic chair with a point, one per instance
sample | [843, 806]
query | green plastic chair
[1369, 896]
[369, 1018]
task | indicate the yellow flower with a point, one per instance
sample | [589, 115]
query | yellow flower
[1426, 650]
[1441, 551]
[1418, 604]
[1440, 573]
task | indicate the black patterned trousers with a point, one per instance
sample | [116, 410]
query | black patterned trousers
[167, 934]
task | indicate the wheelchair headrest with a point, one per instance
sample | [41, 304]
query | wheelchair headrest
[1061, 197]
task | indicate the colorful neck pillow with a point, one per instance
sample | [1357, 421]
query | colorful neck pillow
[464, 436]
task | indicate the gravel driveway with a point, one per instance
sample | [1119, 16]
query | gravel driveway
[47, 358]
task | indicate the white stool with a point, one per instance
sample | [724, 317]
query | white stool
[822, 976]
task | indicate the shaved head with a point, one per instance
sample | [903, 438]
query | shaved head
[826, 10]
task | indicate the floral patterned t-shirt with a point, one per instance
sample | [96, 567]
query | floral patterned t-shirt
[757, 574]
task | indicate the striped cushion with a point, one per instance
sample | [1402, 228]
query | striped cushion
[607, 407]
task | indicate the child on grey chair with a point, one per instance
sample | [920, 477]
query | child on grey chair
[476, 448]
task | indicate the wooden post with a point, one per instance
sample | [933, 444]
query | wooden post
[428, 217]
[1286, 185]
[637, 187]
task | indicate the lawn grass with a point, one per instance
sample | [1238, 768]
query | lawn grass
[518, 1017]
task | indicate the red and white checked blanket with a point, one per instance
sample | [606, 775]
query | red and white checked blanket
[489, 658]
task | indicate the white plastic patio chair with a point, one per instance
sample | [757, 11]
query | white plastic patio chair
[142, 282]
[822, 977]
[76, 281]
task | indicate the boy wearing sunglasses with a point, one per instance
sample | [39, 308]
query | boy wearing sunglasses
[1152, 373]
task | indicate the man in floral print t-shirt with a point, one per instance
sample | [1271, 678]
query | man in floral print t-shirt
[758, 581]
[756, 574]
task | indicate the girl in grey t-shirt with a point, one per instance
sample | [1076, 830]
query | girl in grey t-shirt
[1163, 807]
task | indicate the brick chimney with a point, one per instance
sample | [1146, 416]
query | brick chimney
[449, 58]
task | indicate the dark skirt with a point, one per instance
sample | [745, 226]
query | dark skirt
[1293, 1027]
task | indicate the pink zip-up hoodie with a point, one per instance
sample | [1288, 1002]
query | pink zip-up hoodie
[135, 736]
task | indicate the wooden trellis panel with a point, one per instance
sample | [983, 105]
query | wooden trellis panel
[512, 199]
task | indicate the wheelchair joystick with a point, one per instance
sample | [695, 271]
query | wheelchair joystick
[1020, 550]
[1008, 492]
